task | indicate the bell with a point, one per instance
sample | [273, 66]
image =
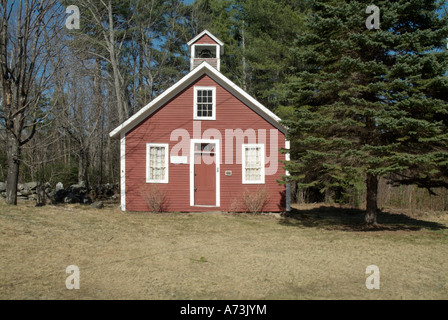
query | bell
[205, 54]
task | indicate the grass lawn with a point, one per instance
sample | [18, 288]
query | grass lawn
[317, 253]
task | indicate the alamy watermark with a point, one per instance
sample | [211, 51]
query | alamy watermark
[373, 21]
[230, 140]
[373, 280]
[73, 20]
[72, 281]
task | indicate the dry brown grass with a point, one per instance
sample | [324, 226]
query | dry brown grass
[317, 253]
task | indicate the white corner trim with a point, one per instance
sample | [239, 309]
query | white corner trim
[123, 172]
[192, 55]
[288, 184]
[218, 57]
[287, 155]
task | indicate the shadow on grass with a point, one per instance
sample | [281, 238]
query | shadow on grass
[346, 219]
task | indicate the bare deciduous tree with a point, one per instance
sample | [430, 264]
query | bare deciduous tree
[103, 37]
[30, 32]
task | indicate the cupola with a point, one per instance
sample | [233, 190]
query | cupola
[205, 47]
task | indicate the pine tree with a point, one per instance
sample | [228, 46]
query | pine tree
[269, 28]
[257, 35]
[370, 102]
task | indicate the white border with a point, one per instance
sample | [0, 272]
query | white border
[148, 146]
[123, 172]
[195, 102]
[243, 162]
[217, 162]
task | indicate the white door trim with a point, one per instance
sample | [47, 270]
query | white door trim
[217, 160]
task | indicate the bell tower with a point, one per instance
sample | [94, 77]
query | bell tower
[205, 47]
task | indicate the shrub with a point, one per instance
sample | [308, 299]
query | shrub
[155, 197]
[236, 206]
[254, 202]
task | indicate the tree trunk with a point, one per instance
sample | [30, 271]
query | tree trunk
[83, 166]
[25, 73]
[244, 76]
[122, 109]
[371, 199]
[12, 179]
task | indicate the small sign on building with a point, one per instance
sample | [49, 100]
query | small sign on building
[179, 159]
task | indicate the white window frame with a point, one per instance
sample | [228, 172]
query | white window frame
[148, 148]
[243, 163]
[195, 109]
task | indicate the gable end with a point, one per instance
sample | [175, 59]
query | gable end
[190, 78]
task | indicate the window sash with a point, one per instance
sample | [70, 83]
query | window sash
[204, 103]
[253, 163]
[157, 163]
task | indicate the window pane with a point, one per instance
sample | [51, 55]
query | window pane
[157, 156]
[253, 163]
[204, 103]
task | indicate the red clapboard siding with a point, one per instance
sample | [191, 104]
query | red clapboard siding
[231, 114]
[211, 61]
[205, 39]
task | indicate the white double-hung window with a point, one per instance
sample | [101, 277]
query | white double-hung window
[157, 163]
[204, 103]
[253, 163]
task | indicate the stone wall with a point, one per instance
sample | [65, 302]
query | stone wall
[77, 193]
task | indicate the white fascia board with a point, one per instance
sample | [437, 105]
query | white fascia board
[182, 84]
[192, 41]
[242, 93]
[152, 106]
[245, 97]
